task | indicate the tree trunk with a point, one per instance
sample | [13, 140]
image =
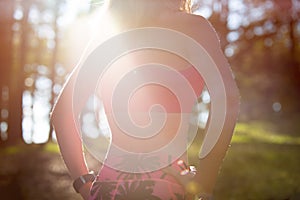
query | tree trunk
[11, 100]
[16, 92]
[53, 63]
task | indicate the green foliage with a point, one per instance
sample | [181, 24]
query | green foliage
[258, 132]
[11, 150]
[51, 147]
[262, 163]
[260, 171]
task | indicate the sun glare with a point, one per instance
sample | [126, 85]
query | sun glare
[79, 26]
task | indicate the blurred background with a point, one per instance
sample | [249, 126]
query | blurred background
[41, 41]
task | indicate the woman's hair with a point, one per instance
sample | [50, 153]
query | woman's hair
[186, 5]
[183, 5]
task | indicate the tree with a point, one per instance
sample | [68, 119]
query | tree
[11, 78]
[261, 41]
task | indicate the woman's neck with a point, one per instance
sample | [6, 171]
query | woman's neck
[146, 3]
[148, 7]
[140, 12]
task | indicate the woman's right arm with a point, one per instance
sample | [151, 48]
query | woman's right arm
[209, 165]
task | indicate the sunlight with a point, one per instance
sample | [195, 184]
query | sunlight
[204, 11]
[38, 129]
[229, 50]
[276, 106]
[70, 11]
[36, 105]
[27, 124]
[3, 129]
[33, 16]
[18, 14]
[233, 36]
[234, 21]
[93, 119]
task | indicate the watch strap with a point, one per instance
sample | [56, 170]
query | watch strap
[82, 180]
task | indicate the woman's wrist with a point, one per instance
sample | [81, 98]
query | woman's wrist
[83, 179]
[83, 183]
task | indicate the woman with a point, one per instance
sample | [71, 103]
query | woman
[170, 177]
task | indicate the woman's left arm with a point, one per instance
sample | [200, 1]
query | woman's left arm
[68, 136]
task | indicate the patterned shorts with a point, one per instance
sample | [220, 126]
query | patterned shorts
[111, 184]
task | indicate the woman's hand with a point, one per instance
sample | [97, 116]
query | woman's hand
[85, 190]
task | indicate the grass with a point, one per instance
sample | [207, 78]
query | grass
[260, 171]
[260, 132]
[50, 147]
[263, 163]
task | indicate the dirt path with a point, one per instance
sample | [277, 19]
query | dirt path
[34, 174]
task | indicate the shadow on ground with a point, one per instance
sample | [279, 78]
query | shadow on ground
[33, 173]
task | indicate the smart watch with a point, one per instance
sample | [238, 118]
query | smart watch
[83, 179]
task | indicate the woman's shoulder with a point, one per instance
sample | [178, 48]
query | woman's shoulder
[196, 22]
[182, 18]
[192, 18]
[195, 26]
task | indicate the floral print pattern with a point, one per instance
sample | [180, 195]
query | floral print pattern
[119, 185]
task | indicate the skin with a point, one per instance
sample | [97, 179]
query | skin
[64, 118]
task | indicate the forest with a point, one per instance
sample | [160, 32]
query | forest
[41, 41]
